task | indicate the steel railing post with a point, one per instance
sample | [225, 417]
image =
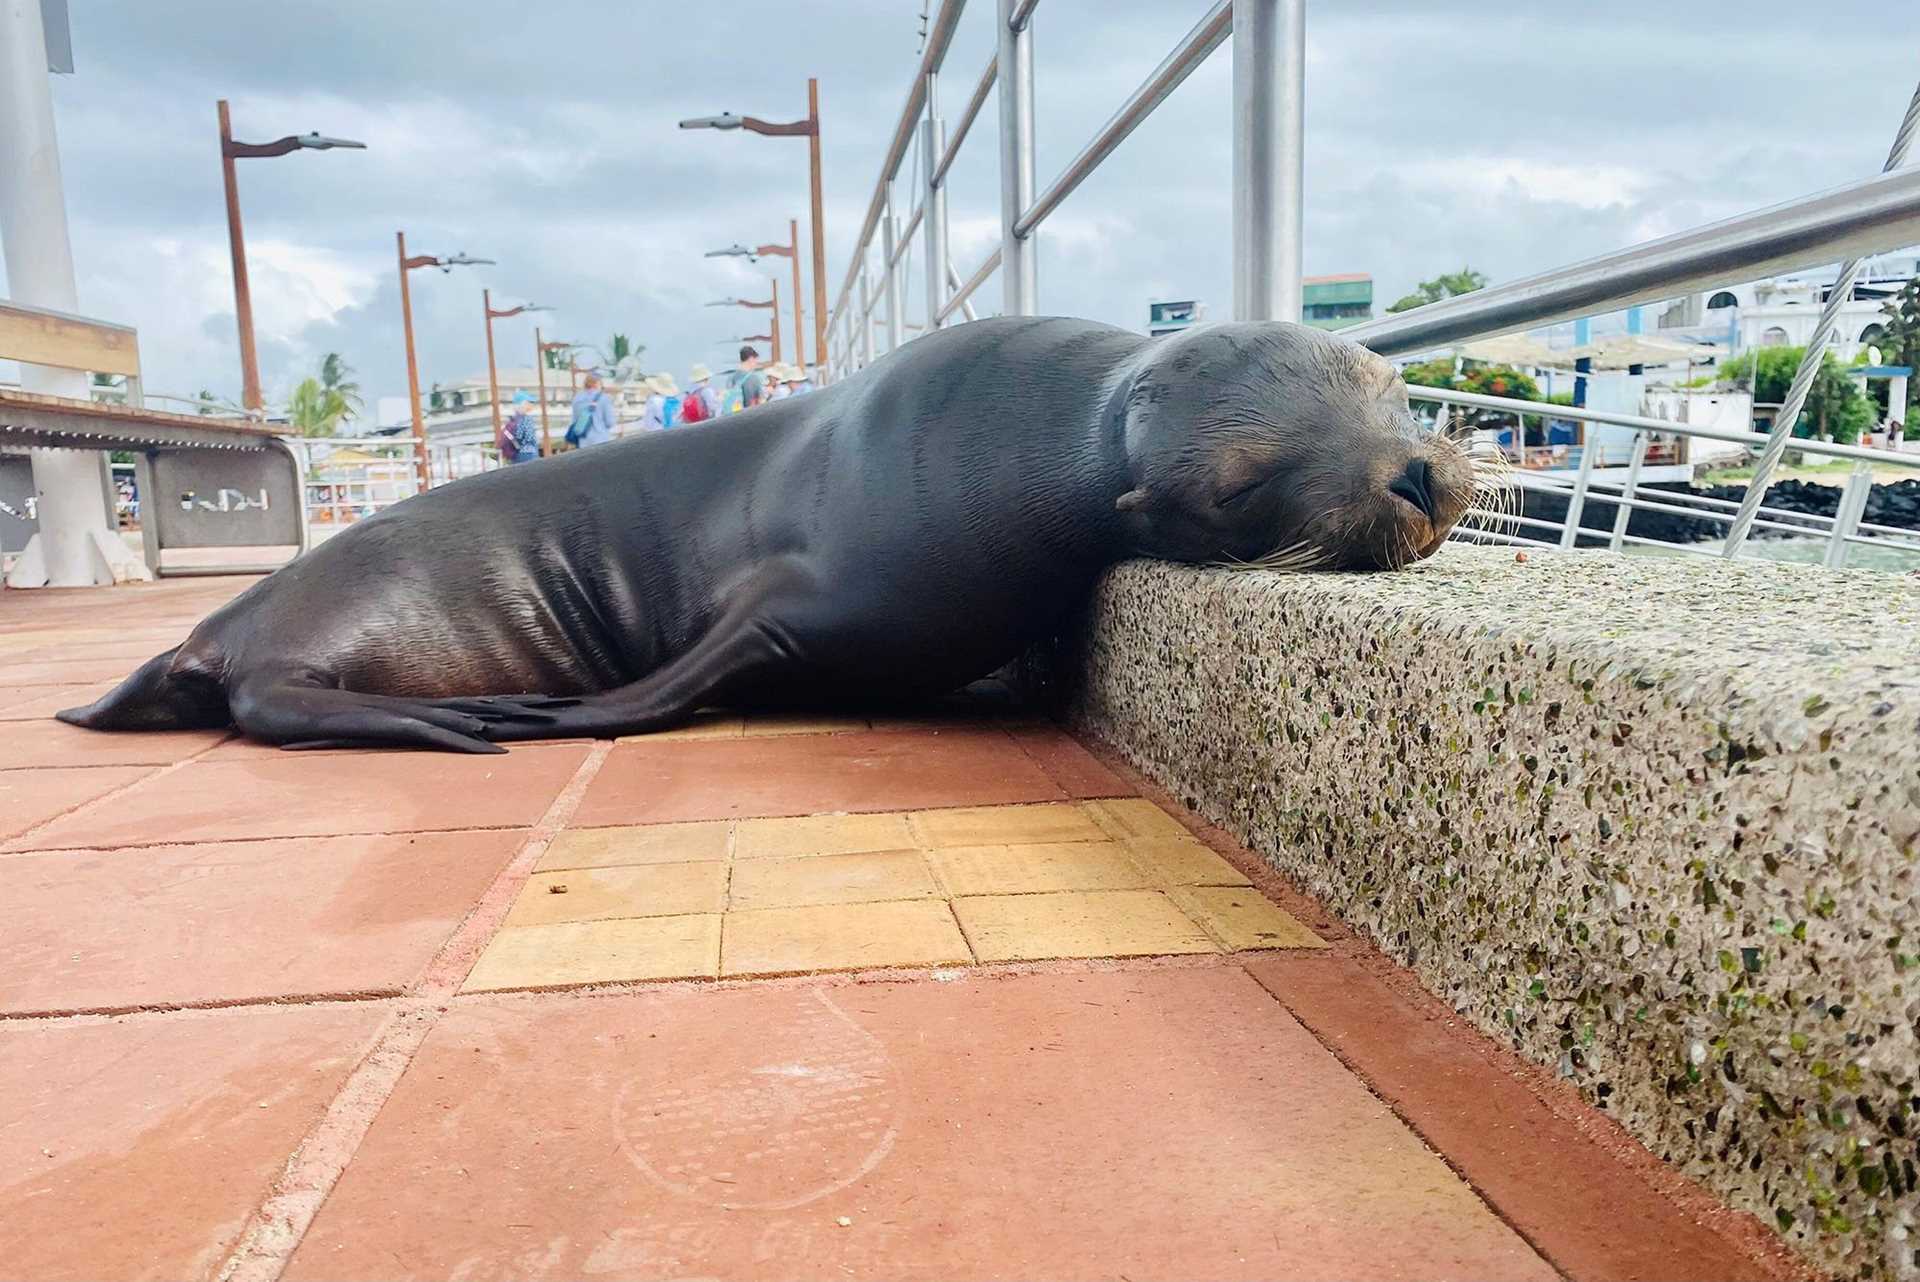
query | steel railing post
[1019, 279]
[1623, 512]
[934, 140]
[891, 285]
[1846, 518]
[1577, 501]
[1269, 94]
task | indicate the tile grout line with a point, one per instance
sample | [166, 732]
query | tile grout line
[277, 1226]
[158, 772]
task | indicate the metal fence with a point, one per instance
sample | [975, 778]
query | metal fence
[1268, 37]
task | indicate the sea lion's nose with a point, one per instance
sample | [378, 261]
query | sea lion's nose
[1415, 485]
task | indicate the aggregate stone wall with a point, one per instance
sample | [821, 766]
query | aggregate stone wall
[1653, 821]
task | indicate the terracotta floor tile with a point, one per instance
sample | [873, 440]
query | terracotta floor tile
[771, 723]
[1137, 819]
[600, 894]
[33, 703]
[599, 952]
[296, 794]
[810, 774]
[139, 1148]
[707, 725]
[1241, 917]
[1184, 863]
[54, 743]
[1021, 870]
[636, 844]
[1004, 825]
[232, 921]
[29, 797]
[821, 835]
[829, 879]
[1165, 1124]
[1077, 771]
[790, 941]
[1104, 923]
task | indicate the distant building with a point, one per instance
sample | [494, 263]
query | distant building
[1782, 311]
[1170, 316]
[1335, 302]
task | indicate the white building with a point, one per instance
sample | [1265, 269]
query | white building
[1782, 311]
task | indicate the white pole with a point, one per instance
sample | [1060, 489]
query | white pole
[1269, 101]
[1019, 273]
[39, 256]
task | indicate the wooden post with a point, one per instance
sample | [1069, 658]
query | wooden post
[493, 377]
[421, 473]
[540, 372]
[819, 225]
[799, 309]
[774, 311]
[242, 294]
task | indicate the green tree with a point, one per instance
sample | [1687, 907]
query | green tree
[1446, 285]
[207, 402]
[1900, 345]
[337, 376]
[1836, 406]
[1486, 380]
[315, 409]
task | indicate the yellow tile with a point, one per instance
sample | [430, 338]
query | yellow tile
[599, 952]
[596, 894]
[775, 723]
[705, 725]
[1244, 918]
[1184, 863]
[830, 879]
[1100, 923]
[1005, 825]
[821, 835]
[1136, 819]
[786, 941]
[636, 844]
[1020, 870]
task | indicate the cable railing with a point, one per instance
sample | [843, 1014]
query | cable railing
[867, 320]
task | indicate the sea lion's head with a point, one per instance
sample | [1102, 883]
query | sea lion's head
[1281, 445]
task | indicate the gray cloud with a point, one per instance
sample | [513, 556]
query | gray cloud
[1506, 135]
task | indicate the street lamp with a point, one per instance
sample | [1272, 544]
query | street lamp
[772, 305]
[540, 349]
[789, 250]
[810, 130]
[420, 468]
[231, 151]
[493, 376]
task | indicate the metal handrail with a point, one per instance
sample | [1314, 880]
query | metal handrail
[973, 282]
[1206, 36]
[1870, 216]
[1022, 14]
[967, 118]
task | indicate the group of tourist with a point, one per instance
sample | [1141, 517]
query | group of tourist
[593, 419]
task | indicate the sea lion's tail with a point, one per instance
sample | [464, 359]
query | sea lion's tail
[158, 696]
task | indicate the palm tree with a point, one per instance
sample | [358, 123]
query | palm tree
[315, 409]
[337, 376]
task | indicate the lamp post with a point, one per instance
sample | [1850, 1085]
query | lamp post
[421, 471]
[231, 151]
[809, 129]
[493, 375]
[540, 349]
[789, 250]
[772, 305]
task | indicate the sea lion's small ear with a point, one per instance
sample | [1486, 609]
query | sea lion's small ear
[1132, 501]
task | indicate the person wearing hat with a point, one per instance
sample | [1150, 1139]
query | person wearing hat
[663, 397]
[592, 415]
[777, 381]
[702, 403]
[519, 435]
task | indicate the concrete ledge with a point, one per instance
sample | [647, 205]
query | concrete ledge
[1655, 822]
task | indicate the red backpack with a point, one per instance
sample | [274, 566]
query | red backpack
[693, 407]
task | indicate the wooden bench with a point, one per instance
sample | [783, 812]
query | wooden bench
[218, 495]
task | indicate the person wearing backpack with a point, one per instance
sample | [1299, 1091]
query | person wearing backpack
[701, 402]
[592, 416]
[519, 435]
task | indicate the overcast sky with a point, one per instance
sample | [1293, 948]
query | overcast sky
[1512, 136]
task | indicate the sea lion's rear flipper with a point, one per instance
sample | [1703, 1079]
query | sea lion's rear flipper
[164, 693]
[297, 712]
